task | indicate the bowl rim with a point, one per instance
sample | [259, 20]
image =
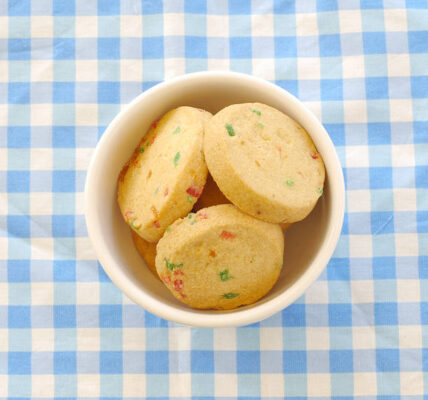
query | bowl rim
[236, 317]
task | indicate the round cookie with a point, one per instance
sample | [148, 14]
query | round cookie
[166, 174]
[147, 252]
[264, 162]
[220, 258]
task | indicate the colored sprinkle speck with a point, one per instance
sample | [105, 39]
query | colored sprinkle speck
[224, 275]
[178, 285]
[315, 155]
[230, 295]
[227, 235]
[135, 226]
[190, 199]
[172, 266]
[320, 191]
[255, 111]
[289, 182]
[194, 191]
[230, 130]
[157, 190]
[165, 193]
[177, 130]
[191, 215]
[253, 259]
[156, 224]
[168, 228]
[176, 159]
[152, 140]
[142, 148]
[260, 125]
[203, 215]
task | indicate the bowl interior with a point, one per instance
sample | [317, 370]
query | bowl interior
[303, 242]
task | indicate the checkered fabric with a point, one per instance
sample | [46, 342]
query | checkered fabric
[67, 67]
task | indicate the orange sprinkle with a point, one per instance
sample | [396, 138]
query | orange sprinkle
[227, 235]
[202, 215]
[315, 155]
[156, 224]
[178, 272]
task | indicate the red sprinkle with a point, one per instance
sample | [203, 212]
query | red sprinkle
[315, 155]
[135, 163]
[279, 149]
[194, 192]
[202, 215]
[152, 140]
[178, 272]
[227, 235]
[183, 295]
[156, 224]
[200, 110]
[166, 192]
[154, 124]
[166, 279]
[128, 213]
[178, 285]
[299, 172]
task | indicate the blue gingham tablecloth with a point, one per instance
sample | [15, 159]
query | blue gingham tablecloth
[67, 67]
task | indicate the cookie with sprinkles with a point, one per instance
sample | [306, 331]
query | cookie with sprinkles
[220, 258]
[264, 162]
[166, 174]
[147, 251]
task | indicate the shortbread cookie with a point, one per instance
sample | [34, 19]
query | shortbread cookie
[264, 162]
[166, 175]
[147, 251]
[220, 258]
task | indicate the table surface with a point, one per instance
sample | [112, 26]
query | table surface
[67, 67]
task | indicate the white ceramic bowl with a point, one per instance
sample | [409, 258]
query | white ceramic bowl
[308, 246]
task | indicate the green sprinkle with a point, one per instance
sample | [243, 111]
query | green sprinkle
[134, 226]
[230, 295]
[177, 130]
[191, 215]
[172, 266]
[168, 228]
[255, 111]
[320, 191]
[289, 182]
[224, 275]
[190, 199]
[260, 125]
[230, 130]
[157, 190]
[142, 148]
[176, 159]
[253, 259]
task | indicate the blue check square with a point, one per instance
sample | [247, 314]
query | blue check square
[18, 93]
[152, 7]
[379, 133]
[108, 7]
[157, 362]
[195, 6]
[418, 41]
[248, 362]
[18, 270]
[374, 43]
[384, 268]
[63, 92]
[19, 363]
[326, 5]
[377, 88]
[421, 176]
[63, 137]
[19, 49]
[18, 226]
[110, 316]
[381, 222]
[64, 316]
[240, 47]
[283, 6]
[338, 269]
[380, 177]
[340, 314]
[18, 137]
[108, 92]
[111, 362]
[196, 47]
[18, 181]
[64, 362]
[341, 361]
[19, 317]
[202, 361]
[64, 270]
[294, 362]
[153, 48]
[386, 314]
[19, 8]
[239, 7]
[294, 315]
[64, 48]
[330, 45]
[109, 48]
[63, 7]
[387, 360]
[331, 89]
[64, 181]
[285, 46]
[63, 226]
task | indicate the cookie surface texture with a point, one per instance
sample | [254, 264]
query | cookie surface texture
[166, 174]
[264, 162]
[220, 258]
[147, 252]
